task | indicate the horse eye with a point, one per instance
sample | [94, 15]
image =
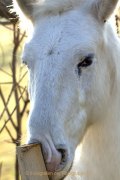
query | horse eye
[86, 62]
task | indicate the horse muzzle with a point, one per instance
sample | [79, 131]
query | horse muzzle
[55, 156]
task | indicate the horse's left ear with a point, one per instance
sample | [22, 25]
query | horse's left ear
[104, 8]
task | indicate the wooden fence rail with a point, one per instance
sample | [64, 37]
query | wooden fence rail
[31, 163]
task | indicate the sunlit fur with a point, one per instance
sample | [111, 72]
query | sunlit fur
[69, 108]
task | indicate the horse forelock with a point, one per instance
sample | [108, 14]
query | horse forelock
[42, 7]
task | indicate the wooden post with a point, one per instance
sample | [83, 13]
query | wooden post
[31, 163]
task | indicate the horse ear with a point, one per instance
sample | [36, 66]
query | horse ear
[104, 8]
[24, 7]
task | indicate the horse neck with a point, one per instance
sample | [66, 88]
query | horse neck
[100, 156]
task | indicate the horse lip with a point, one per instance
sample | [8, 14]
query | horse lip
[61, 166]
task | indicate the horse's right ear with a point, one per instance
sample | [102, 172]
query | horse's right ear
[24, 7]
[104, 8]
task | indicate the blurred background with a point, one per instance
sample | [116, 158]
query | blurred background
[14, 100]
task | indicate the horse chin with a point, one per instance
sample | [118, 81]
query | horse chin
[60, 175]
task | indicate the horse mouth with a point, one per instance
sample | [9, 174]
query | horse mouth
[62, 161]
[63, 170]
[56, 158]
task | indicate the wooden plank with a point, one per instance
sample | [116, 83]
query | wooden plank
[31, 163]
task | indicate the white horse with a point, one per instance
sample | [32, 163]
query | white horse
[74, 69]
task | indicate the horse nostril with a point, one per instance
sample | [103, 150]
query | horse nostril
[63, 154]
[64, 157]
